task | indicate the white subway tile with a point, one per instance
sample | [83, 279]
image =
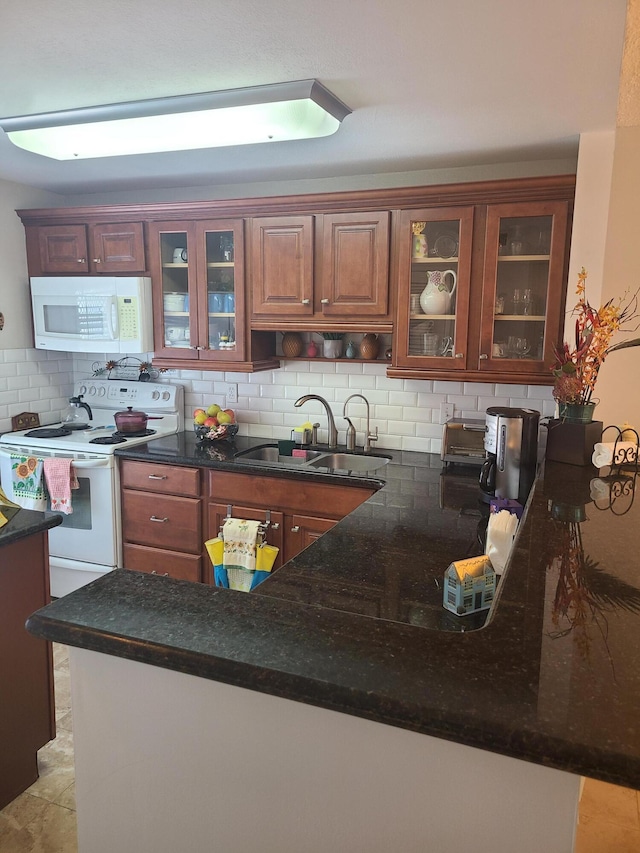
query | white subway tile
[441, 387]
[361, 382]
[429, 430]
[272, 418]
[260, 404]
[390, 442]
[419, 415]
[475, 389]
[377, 398]
[431, 401]
[8, 369]
[485, 402]
[401, 428]
[391, 413]
[420, 386]
[403, 398]
[511, 390]
[539, 392]
[350, 367]
[520, 403]
[415, 443]
[335, 380]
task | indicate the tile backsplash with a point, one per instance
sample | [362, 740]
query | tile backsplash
[34, 380]
[405, 411]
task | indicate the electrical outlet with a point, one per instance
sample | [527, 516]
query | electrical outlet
[231, 393]
[446, 412]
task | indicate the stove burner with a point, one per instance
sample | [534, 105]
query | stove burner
[139, 434]
[108, 439]
[55, 432]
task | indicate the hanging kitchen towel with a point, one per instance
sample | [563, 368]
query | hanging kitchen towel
[239, 559]
[26, 482]
[60, 479]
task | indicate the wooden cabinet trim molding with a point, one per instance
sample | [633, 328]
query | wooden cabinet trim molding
[476, 192]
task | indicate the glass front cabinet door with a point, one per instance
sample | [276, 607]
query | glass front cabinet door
[199, 302]
[523, 292]
[433, 288]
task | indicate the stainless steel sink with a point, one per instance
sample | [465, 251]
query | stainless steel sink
[348, 462]
[269, 453]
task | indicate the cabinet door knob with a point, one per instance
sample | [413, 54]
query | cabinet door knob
[96, 260]
[459, 355]
[82, 260]
[483, 356]
[306, 301]
[159, 520]
[324, 301]
[295, 528]
[275, 525]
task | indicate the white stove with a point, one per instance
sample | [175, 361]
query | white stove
[163, 403]
[88, 543]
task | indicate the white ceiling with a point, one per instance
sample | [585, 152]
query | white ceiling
[432, 84]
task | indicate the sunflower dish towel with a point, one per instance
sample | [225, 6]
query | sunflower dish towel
[26, 482]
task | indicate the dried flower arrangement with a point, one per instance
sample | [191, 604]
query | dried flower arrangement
[576, 370]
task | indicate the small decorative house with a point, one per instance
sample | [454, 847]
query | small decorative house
[469, 585]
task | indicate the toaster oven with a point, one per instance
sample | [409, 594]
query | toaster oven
[463, 441]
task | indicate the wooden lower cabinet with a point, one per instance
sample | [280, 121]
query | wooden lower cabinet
[169, 511]
[300, 531]
[162, 527]
[27, 717]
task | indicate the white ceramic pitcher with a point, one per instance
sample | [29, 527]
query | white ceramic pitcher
[436, 297]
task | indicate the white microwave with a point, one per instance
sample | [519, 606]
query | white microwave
[92, 313]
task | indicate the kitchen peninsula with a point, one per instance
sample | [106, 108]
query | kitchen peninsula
[287, 719]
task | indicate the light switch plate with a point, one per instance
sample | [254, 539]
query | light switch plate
[446, 412]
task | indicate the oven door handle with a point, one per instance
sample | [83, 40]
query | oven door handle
[77, 463]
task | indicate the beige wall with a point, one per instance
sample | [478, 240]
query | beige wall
[14, 290]
[617, 386]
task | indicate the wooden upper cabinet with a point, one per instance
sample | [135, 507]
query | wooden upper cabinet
[319, 268]
[117, 247]
[282, 266]
[354, 265]
[106, 248]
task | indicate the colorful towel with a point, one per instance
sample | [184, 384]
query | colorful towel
[60, 478]
[265, 558]
[26, 482]
[239, 558]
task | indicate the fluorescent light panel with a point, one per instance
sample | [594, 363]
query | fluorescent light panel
[299, 110]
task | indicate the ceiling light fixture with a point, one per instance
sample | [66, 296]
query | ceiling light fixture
[303, 109]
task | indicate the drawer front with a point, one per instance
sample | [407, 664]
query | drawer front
[163, 479]
[302, 496]
[141, 558]
[164, 521]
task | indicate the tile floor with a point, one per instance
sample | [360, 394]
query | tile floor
[43, 819]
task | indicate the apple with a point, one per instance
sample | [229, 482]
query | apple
[213, 410]
[231, 414]
[199, 417]
[211, 422]
[224, 418]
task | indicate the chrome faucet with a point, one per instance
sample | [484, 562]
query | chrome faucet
[368, 436]
[333, 432]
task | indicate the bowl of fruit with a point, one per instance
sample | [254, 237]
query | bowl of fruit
[214, 423]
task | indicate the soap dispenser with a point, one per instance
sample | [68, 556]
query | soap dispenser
[78, 414]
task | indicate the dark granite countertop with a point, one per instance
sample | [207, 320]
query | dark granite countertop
[353, 624]
[26, 522]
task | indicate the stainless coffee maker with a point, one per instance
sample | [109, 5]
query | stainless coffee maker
[511, 445]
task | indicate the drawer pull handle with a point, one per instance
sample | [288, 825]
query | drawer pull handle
[306, 301]
[275, 525]
[159, 520]
[324, 301]
[157, 476]
[295, 528]
[165, 575]
[96, 260]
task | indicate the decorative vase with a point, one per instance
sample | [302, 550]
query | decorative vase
[576, 413]
[332, 349]
[369, 346]
[436, 298]
[291, 345]
[312, 349]
[351, 350]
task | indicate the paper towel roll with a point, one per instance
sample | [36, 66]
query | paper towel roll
[603, 453]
